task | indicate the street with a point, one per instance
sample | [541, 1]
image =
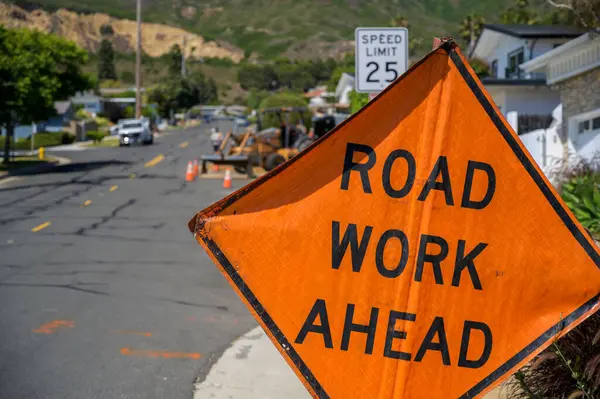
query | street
[104, 291]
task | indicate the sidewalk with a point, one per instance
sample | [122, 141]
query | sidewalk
[251, 368]
[32, 170]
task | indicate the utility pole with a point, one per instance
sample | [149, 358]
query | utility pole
[138, 62]
[183, 58]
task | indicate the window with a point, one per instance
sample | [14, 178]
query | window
[588, 125]
[515, 59]
[132, 125]
[494, 69]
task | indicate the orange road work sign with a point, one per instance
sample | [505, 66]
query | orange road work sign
[415, 251]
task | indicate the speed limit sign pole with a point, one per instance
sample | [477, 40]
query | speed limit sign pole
[381, 56]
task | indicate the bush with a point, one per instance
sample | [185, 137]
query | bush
[82, 115]
[582, 196]
[40, 140]
[129, 112]
[95, 136]
[67, 138]
[569, 368]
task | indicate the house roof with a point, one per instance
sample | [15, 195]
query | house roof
[535, 31]
[86, 97]
[347, 79]
[492, 34]
[490, 81]
[317, 92]
[62, 107]
[562, 54]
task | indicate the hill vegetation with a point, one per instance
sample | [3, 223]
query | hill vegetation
[294, 28]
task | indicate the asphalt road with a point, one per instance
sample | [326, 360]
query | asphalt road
[103, 291]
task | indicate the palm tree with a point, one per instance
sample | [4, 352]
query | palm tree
[470, 28]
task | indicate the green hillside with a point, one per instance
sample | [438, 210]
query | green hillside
[274, 27]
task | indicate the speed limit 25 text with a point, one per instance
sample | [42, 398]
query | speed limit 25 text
[381, 45]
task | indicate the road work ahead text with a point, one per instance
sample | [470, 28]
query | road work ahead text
[350, 240]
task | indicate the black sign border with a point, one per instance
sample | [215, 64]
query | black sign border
[450, 47]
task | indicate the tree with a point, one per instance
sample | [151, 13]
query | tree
[357, 100]
[212, 95]
[581, 13]
[255, 97]
[413, 42]
[261, 77]
[106, 30]
[519, 13]
[470, 28]
[283, 99]
[106, 61]
[399, 21]
[174, 60]
[183, 92]
[36, 69]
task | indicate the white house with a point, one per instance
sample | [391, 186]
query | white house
[573, 71]
[89, 101]
[344, 87]
[505, 48]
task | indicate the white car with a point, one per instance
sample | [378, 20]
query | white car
[134, 131]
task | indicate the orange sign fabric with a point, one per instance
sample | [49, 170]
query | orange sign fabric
[416, 251]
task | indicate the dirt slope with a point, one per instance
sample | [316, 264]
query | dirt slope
[85, 31]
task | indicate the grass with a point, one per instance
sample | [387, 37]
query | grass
[107, 142]
[40, 140]
[22, 162]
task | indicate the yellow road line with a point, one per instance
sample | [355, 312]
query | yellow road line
[87, 203]
[184, 144]
[40, 227]
[154, 161]
[132, 176]
[113, 188]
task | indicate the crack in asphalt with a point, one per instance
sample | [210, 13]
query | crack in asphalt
[63, 286]
[106, 219]
[182, 187]
[197, 305]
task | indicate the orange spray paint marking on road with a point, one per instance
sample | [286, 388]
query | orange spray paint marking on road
[113, 188]
[160, 354]
[53, 326]
[145, 334]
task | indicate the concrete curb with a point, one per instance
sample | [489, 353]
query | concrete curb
[32, 170]
[252, 368]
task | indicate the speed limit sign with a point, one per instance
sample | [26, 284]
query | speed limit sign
[381, 56]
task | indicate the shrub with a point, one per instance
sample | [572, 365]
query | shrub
[40, 140]
[569, 368]
[95, 136]
[67, 138]
[81, 114]
[582, 196]
[129, 112]
[102, 122]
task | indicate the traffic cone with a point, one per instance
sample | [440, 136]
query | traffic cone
[215, 167]
[227, 180]
[195, 166]
[189, 174]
